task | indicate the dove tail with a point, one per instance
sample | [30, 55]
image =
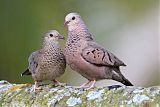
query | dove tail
[26, 72]
[120, 77]
[127, 82]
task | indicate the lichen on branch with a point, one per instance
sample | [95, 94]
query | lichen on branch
[20, 95]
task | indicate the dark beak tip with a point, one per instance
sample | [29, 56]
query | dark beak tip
[62, 37]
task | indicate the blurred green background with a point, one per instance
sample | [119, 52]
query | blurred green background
[128, 28]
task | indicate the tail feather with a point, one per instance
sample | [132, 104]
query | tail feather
[126, 82]
[120, 78]
[26, 72]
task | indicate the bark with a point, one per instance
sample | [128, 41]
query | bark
[20, 95]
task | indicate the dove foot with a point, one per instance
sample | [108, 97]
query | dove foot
[36, 86]
[92, 84]
[84, 85]
[88, 85]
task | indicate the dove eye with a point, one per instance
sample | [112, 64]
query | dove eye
[51, 35]
[73, 18]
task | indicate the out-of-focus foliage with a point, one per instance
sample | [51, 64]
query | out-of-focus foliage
[128, 28]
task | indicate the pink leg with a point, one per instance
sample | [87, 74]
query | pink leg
[84, 85]
[92, 84]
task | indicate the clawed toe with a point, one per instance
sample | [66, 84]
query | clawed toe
[35, 88]
[88, 85]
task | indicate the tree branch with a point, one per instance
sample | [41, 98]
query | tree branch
[20, 95]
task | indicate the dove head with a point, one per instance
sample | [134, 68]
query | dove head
[73, 20]
[52, 36]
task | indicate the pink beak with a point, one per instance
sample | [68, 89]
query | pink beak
[66, 23]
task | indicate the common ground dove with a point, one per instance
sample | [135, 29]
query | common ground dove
[87, 57]
[48, 62]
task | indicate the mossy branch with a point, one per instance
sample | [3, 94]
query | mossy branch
[20, 95]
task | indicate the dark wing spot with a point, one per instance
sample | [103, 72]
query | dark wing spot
[103, 55]
[109, 56]
[88, 53]
[89, 38]
[93, 51]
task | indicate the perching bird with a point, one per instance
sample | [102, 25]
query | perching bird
[49, 62]
[87, 57]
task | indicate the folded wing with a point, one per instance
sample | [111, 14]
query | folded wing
[97, 55]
